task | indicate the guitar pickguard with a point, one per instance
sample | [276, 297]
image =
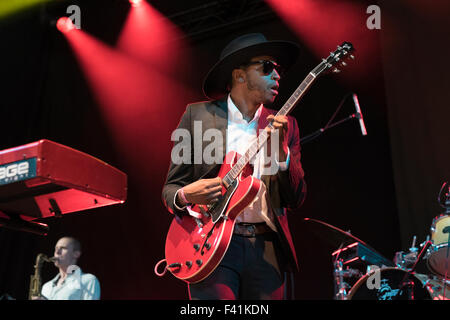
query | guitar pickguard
[216, 210]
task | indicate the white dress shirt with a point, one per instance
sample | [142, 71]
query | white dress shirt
[240, 135]
[76, 286]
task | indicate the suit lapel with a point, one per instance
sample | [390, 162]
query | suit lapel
[221, 120]
[262, 122]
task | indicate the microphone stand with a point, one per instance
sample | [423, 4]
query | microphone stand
[317, 133]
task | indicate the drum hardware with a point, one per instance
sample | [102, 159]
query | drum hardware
[438, 255]
[393, 287]
[445, 203]
[438, 287]
[421, 254]
[360, 255]
[340, 274]
[352, 253]
[341, 286]
[406, 282]
[406, 260]
[353, 250]
[398, 280]
[408, 287]
[446, 230]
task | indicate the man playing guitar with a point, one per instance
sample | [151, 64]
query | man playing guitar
[260, 256]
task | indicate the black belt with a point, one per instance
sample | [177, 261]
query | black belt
[250, 230]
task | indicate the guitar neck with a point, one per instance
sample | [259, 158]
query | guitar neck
[295, 97]
[263, 136]
[337, 56]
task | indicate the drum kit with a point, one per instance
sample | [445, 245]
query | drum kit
[361, 273]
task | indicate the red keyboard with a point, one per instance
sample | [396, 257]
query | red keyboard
[44, 179]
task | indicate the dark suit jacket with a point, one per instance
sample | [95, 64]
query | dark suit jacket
[286, 189]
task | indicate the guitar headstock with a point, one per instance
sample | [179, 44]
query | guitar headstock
[337, 59]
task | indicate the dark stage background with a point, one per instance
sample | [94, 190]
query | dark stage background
[383, 187]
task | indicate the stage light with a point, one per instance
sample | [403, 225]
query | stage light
[323, 24]
[150, 37]
[64, 24]
[132, 98]
[10, 7]
[131, 81]
[136, 3]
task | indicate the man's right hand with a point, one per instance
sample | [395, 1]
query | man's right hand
[203, 191]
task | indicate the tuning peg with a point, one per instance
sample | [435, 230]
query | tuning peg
[343, 63]
[352, 57]
[336, 70]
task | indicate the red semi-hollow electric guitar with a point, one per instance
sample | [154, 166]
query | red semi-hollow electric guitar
[195, 246]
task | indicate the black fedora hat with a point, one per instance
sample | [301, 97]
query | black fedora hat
[240, 51]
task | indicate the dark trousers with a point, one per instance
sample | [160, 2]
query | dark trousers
[253, 268]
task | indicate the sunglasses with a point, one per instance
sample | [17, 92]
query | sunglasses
[268, 66]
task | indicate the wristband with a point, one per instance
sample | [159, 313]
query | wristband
[183, 197]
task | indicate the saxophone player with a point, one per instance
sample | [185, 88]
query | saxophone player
[70, 283]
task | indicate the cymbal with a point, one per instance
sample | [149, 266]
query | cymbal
[333, 235]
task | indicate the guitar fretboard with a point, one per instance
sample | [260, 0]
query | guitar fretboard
[254, 148]
[264, 135]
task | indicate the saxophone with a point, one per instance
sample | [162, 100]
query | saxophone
[36, 281]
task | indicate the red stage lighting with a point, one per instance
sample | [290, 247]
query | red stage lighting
[133, 98]
[153, 39]
[136, 3]
[132, 82]
[64, 24]
[323, 24]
